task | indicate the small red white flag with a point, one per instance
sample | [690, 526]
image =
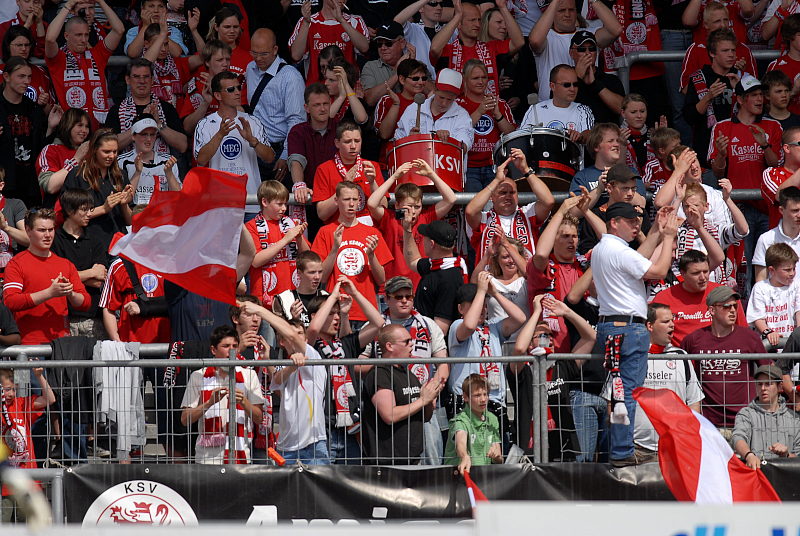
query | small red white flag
[697, 463]
[474, 492]
[191, 237]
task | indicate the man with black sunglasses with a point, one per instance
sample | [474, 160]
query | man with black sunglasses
[380, 75]
[601, 92]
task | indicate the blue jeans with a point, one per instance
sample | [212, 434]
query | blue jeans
[313, 454]
[433, 446]
[478, 178]
[633, 370]
[676, 40]
[344, 449]
[589, 412]
[759, 224]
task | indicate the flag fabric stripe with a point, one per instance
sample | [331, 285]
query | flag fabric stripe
[474, 492]
[203, 239]
[696, 462]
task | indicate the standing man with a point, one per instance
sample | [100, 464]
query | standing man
[39, 284]
[230, 140]
[619, 274]
[79, 72]
[275, 95]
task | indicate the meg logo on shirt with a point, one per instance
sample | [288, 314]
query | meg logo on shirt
[231, 148]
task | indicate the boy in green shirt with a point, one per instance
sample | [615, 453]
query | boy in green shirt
[475, 432]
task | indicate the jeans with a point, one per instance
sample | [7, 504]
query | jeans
[633, 370]
[344, 449]
[478, 178]
[313, 454]
[676, 40]
[759, 224]
[73, 441]
[433, 445]
[589, 412]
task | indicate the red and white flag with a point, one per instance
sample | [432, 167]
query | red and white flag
[696, 462]
[474, 492]
[191, 237]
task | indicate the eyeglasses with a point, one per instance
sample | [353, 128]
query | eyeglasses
[233, 89]
[566, 84]
[727, 306]
[403, 297]
[418, 78]
[19, 44]
[259, 54]
[588, 48]
[380, 43]
[404, 342]
[793, 144]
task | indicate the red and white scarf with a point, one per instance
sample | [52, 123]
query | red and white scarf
[701, 87]
[342, 383]
[127, 116]
[490, 371]
[343, 171]
[520, 230]
[13, 437]
[484, 54]
[269, 276]
[451, 262]
[417, 327]
[619, 413]
[166, 69]
[90, 83]
[264, 436]
[631, 156]
[214, 432]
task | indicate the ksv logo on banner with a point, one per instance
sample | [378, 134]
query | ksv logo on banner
[140, 502]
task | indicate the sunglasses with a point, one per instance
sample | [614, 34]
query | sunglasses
[404, 342]
[435, 4]
[233, 89]
[566, 84]
[726, 306]
[403, 297]
[380, 43]
[589, 48]
[418, 78]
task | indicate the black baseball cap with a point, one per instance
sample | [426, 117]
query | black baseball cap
[620, 173]
[440, 232]
[391, 31]
[583, 36]
[622, 210]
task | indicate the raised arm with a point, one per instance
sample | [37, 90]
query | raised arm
[517, 40]
[322, 314]
[54, 30]
[443, 36]
[537, 39]
[691, 15]
[376, 198]
[375, 320]
[410, 249]
[544, 198]
[666, 194]
[285, 330]
[443, 207]
[117, 27]
[611, 28]
[478, 202]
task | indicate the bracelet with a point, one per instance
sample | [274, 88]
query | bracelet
[70, 164]
[254, 145]
[296, 186]
[749, 452]
[351, 94]
[499, 120]
[766, 332]
[530, 172]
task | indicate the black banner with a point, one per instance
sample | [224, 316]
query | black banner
[178, 494]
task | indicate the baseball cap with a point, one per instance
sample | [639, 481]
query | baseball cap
[772, 372]
[449, 80]
[390, 31]
[396, 283]
[620, 173]
[721, 294]
[583, 36]
[747, 84]
[440, 232]
[143, 124]
[622, 210]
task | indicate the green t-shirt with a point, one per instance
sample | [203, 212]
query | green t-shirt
[481, 433]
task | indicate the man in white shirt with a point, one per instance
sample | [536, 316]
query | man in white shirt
[440, 114]
[230, 140]
[562, 112]
[619, 273]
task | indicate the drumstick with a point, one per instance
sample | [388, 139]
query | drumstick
[419, 98]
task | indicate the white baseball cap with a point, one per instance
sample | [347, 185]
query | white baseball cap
[143, 124]
[449, 80]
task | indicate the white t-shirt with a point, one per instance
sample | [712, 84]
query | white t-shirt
[506, 222]
[302, 419]
[577, 117]
[234, 154]
[556, 52]
[776, 305]
[151, 172]
[516, 292]
[618, 270]
[774, 236]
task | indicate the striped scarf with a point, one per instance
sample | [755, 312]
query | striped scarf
[451, 262]
[264, 436]
[417, 327]
[214, 429]
[619, 414]
[269, 277]
[13, 437]
[342, 383]
[128, 115]
[490, 371]
[520, 229]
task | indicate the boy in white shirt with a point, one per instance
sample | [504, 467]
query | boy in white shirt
[773, 307]
[146, 168]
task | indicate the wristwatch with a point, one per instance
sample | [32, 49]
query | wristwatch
[764, 147]
[766, 332]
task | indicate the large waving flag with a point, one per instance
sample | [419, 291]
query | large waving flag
[696, 462]
[191, 237]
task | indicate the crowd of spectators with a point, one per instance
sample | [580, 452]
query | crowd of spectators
[649, 254]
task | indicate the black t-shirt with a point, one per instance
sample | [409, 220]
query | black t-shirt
[400, 443]
[590, 96]
[84, 252]
[7, 324]
[670, 12]
[26, 125]
[790, 122]
[191, 316]
[436, 292]
[103, 227]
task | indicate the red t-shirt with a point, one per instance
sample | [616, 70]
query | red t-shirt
[727, 382]
[80, 81]
[557, 280]
[193, 97]
[790, 68]
[746, 161]
[736, 23]
[352, 259]
[278, 274]
[385, 104]
[324, 32]
[22, 415]
[328, 176]
[118, 290]
[27, 273]
[690, 310]
[458, 54]
[640, 32]
[168, 83]
[771, 180]
[697, 56]
[392, 232]
[52, 157]
[486, 132]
